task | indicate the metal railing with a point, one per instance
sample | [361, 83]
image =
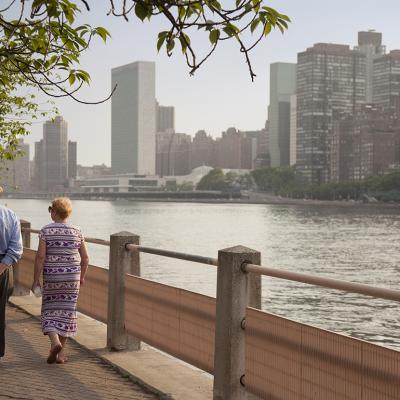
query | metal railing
[331, 283]
[101, 242]
[173, 254]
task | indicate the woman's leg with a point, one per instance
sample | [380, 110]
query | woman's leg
[61, 355]
[54, 339]
[55, 347]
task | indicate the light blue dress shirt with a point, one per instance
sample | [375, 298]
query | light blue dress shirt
[10, 237]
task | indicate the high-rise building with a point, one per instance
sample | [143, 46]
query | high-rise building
[370, 44]
[72, 159]
[282, 86]
[52, 156]
[15, 174]
[386, 80]
[165, 118]
[173, 153]
[228, 150]
[365, 144]
[330, 81]
[133, 119]
[38, 165]
[203, 150]
[293, 129]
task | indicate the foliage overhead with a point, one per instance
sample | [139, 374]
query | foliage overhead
[16, 113]
[41, 43]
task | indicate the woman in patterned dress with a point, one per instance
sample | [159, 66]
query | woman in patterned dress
[63, 258]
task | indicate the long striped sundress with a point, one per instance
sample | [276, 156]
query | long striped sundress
[61, 278]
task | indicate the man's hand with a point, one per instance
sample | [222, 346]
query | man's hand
[3, 268]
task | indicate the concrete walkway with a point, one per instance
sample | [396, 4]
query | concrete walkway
[162, 374]
[25, 375]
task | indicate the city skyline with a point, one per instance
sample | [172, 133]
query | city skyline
[209, 100]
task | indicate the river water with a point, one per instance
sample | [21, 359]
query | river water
[352, 243]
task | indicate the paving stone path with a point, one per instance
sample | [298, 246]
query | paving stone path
[25, 375]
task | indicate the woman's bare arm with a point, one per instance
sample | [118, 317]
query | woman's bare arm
[84, 261]
[39, 262]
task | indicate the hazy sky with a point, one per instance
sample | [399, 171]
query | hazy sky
[221, 93]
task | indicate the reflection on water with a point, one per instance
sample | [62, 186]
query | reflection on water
[355, 244]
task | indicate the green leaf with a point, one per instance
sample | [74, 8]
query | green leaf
[103, 32]
[141, 12]
[160, 42]
[267, 28]
[214, 36]
[71, 79]
[254, 25]
[182, 12]
[231, 30]
[170, 45]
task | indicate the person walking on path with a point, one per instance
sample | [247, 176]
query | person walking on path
[62, 257]
[10, 253]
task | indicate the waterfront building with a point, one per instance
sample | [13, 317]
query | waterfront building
[293, 130]
[15, 174]
[370, 44]
[120, 183]
[51, 156]
[173, 153]
[330, 82]
[202, 150]
[165, 118]
[133, 119]
[364, 144]
[254, 145]
[386, 81]
[282, 86]
[228, 150]
[93, 171]
[72, 159]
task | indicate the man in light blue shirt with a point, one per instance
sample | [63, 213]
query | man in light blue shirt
[10, 253]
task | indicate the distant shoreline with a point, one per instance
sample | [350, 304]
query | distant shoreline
[255, 198]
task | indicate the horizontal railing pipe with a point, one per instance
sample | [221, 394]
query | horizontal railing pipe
[30, 230]
[173, 254]
[101, 242]
[352, 287]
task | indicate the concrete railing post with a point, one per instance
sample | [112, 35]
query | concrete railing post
[122, 261]
[26, 236]
[20, 290]
[233, 289]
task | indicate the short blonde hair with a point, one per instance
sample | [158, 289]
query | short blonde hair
[62, 207]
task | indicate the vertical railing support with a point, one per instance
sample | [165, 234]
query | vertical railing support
[233, 288]
[122, 261]
[20, 290]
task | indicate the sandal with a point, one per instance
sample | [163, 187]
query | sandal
[52, 358]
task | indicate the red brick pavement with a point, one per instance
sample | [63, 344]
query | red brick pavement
[25, 375]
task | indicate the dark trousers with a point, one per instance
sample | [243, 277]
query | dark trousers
[3, 301]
